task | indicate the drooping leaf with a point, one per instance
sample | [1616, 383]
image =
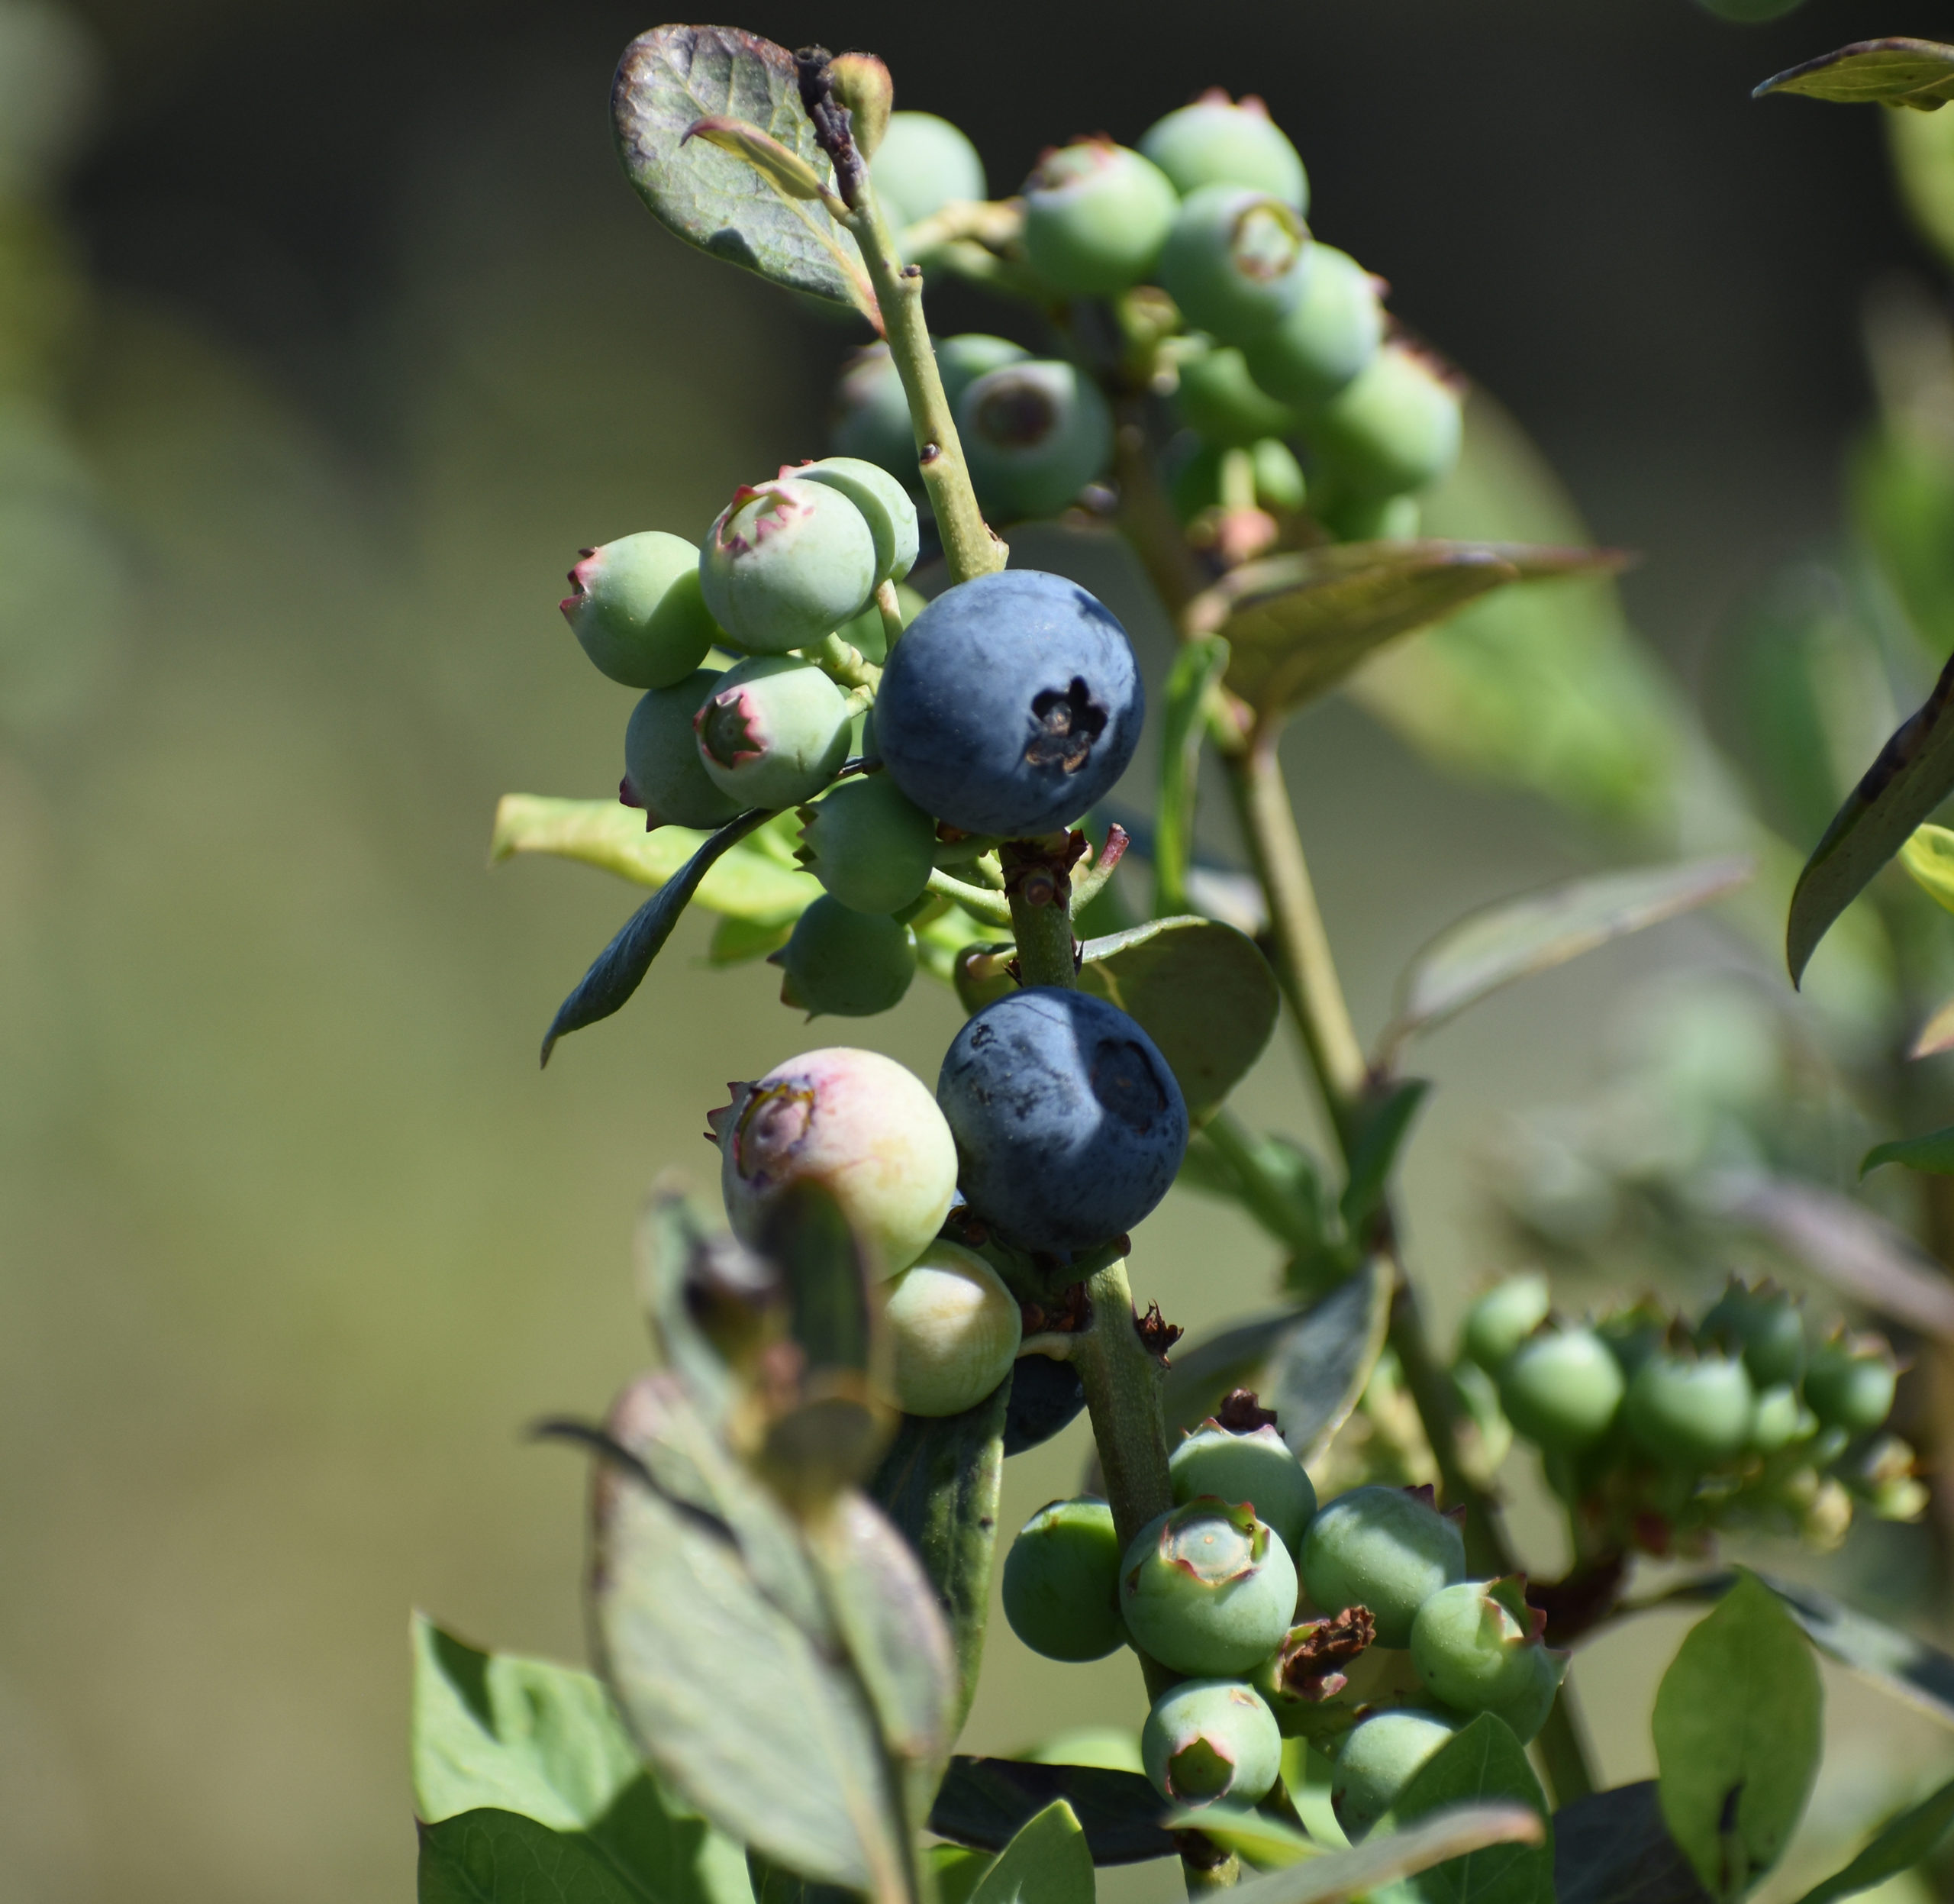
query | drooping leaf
[1277, 1182]
[1385, 1857]
[618, 970]
[1317, 1370]
[1297, 625]
[1738, 1727]
[939, 1483]
[1048, 1862]
[1612, 1847]
[1268, 1843]
[1933, 1153]
[1518, 937]
[1898, 1846]
[1380, 1125]
[490, 1856]
[1914, 773]
[986, 1802]
[1197, 667]
[1482, 1763]
[1197, 1378]
[1200, 990]
[1919, 73]
[671, 78]
[747, 883]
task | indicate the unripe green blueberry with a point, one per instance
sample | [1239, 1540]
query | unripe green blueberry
[955, 1330]
[785, 562]
[1762, 1323]
[1219, 401]
[1501, 1320]
[1095, 217]
[961, 360]
[1326, 338]
[1217, 140]
[872, 415]
[1525, 1711]
[885, 503]
[1634, 1333]
[1471, 1644]
[1691, 1411]
[1256, 1467]
[1206, 1589]
[663, 773]
[773, 731]
[1034, 434]
[636, 606]
[1386, 1548]
[1279, 476]
[1061, 1580]
[1779, 1419]
[1395, 427]
[923, 164]
[1236, 262]
[855, 1121]
[1561, 1388]
[1378, 1759]
[845, 963]
[1355, 519]
[868, 844]
[1209, 1739]
[1849, 1382]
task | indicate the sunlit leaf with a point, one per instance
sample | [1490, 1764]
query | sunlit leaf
[491, 1857]
[671, 78]
[986, 1802]
[1386, 1856]
[1483, 1762]
[1269, 1843]
[1888, 72]
[1612, 1847]
[1518, 937]
[1899, 1846]
[1048, 1862]
[1929, 855]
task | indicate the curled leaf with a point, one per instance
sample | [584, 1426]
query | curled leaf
[1917, 73]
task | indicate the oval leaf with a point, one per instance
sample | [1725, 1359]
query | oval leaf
[1317, 1374]
[1612, 1847]
[1297, 625]
[1483, 1762]
[1200, 990]
[1535, 933]
[670, 78]
[491, 1857]
[1269, 1843]
[1048, 1862]
[1889, 72]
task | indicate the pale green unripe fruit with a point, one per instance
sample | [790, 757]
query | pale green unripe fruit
[1386, 1548]
[786, 562]
[1779, 1419]
[1378, 1760]
[663, 773]
[1764, 1326]
[1236, 263]
[1394, 427]
[962, 359]
[636, 606]
[855, 1122]
[1062, 1581]
[1501, 1320]
[1208, 1589]
[1527, 1711]
[1095, 217]
[1034, 434]
[1690, 1411]
[1219, 141]
[1221, 402]
[1211, 1739]
[1331, 334]
[872, 847]
[845, 963]
[1561, 1388]
[1471, 1642]
[1256, 1467]
[773, 731]
[955, 1329]
[885, 503]
[1850, 1382]
[872, 415]
[923, 163]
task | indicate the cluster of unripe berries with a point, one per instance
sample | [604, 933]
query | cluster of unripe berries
[1272, 1608]
[1652, 1426]
[1280, 338]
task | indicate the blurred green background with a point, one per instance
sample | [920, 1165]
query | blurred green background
[329, 333]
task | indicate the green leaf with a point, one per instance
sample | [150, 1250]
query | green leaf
[737, 941]
[939, 1483]
[1385, 1857]
[489, 1857]
[747, 881]
[1914, 773]
[1929, 855]
[1612, 1847]
[1518, 937]
[1483, 1762]
[1381, 1123]
[1899, 1846]
[1918, 73]
[1268, 1843]
[1297, 625]
[1738, 1732]
[1197, 1378]
[1200, 990]
[1048, 1862]
[671, 78]
[619, 969]
[1318, 1368]
[986, 1802]
[1197, 667]
[1933, 1153]
[958, 1871]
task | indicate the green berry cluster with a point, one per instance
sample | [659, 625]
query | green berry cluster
[1657, 1430]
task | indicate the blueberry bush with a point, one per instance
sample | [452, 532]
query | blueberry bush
[873, 751]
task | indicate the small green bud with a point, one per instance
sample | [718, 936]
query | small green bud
[862, 83]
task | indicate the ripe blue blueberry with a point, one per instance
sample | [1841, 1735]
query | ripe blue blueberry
[1217, 140]
[1378, 1759]
[1394, 427]
[1034, 434]
[962, 359]
[1206, 1589]
[923, 164]
[844, 963]
[1330, 333]
[954, 1328]
[663, 773]
[1010, 706]
[1690, 1411]
[1236, 262]
[636, 606]
[773, 731]
[1501, 1320]
[885, 503]
[785, 562]
[1561, 1388]
[1386, 1548]
[1095, 217]
[1061, 1580]
[1255, 1466]
[872, 847]
[1211, 1739]
[1068, 1125]
[1221, 403]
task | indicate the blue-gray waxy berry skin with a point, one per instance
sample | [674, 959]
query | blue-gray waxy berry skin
[1011, 705]
[1069, 1127]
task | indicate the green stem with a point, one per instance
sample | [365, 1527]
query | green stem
[1041, 923]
